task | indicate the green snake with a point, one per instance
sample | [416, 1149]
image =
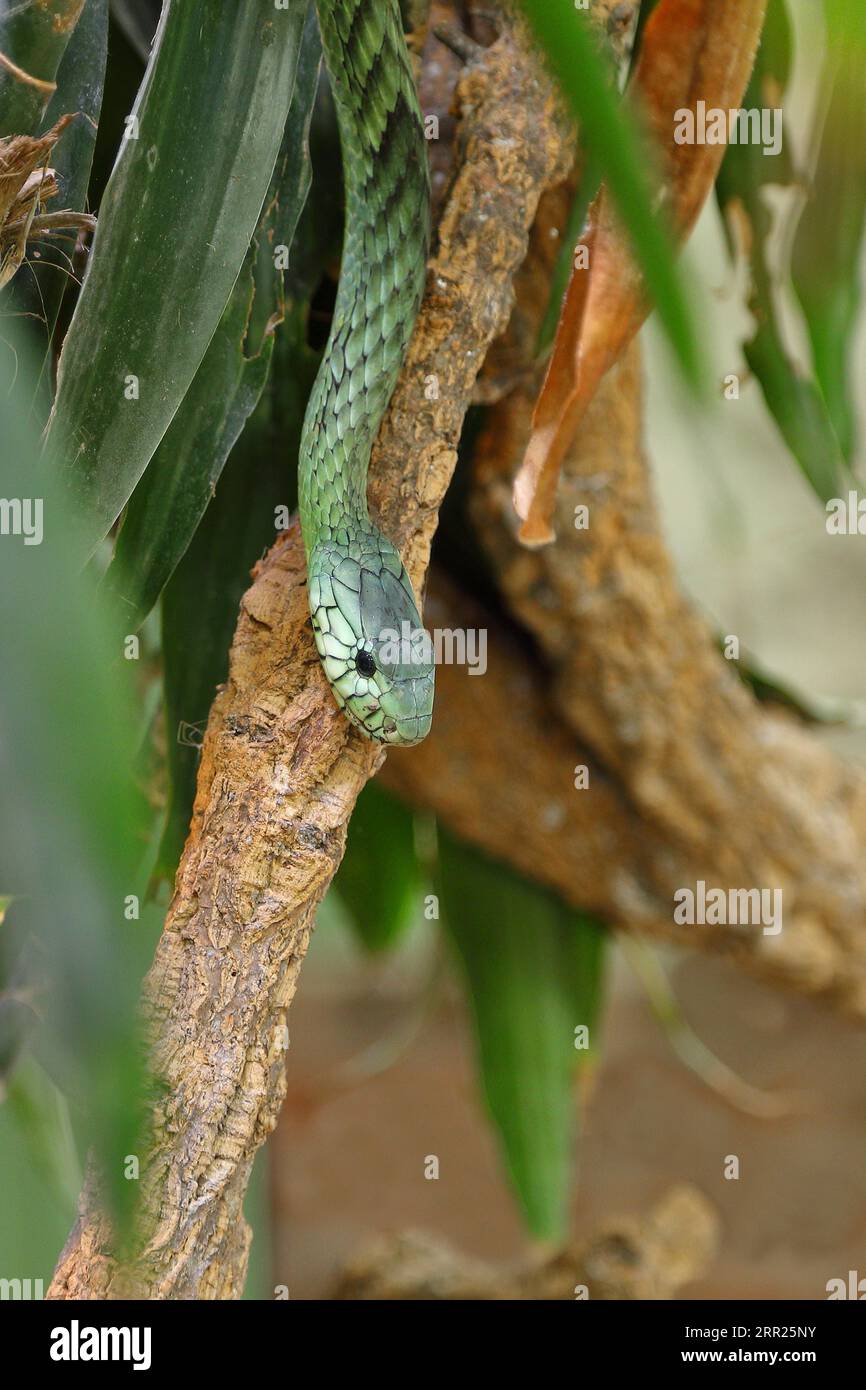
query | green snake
[361, 599]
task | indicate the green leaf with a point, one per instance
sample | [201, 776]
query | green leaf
[799, 410]
[794, 400]
[40, 284]
[75, 821]
[16, 1021]
[42, 1116]
[826, 252]
[200, 602]
[612, 142]
[175, 224]
[34, 38]
[584, 942]
[379, 881]
[200, 609]
[171, 498]
[533, 968]
[294, 173]
[80, 83]
[40, 1167]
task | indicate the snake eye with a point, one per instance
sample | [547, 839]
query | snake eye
[364, 664]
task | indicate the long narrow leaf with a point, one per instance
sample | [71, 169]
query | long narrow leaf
[534, 971]
[171, 498]
[826, 254]
[175, 224]
[379, 880]
[792, 396]
[33, 39]
[80, 83]
[74, 821]
[39, 289]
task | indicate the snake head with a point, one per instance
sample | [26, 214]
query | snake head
[375, 653]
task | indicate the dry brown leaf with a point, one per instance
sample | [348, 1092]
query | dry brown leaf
[26, 184]
[19, 156]
[692, 50]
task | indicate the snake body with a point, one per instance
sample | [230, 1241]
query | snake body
[360, 595]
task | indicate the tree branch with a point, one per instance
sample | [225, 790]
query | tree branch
[499, 769]
[741, 798]
[651, 1258]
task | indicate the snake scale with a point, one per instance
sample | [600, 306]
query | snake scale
[361, 599]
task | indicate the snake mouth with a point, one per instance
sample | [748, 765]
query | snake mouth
[394, 731]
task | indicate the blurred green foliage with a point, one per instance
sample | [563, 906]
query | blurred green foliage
[380, 881]
[76, 824]
[827, 248]
[794, 398]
